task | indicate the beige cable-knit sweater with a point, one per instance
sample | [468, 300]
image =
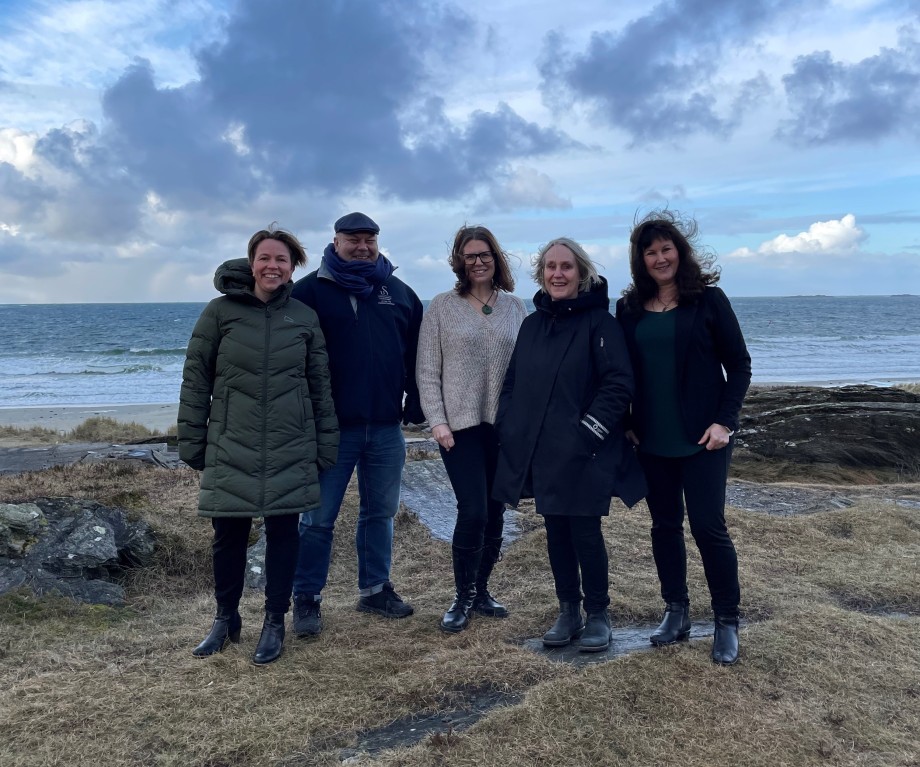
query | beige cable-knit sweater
[462, 358]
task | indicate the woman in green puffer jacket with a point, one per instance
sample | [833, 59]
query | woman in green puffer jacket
[256, 418]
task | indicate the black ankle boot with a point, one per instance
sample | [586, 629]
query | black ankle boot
[725, 641]
[466, 564]
[271, 640]
[675, 626]
[226, 627]
[596, 636]
[485, 603]
[568, 625]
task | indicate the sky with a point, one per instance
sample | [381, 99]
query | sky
[142, 142]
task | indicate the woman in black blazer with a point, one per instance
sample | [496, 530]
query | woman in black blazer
[692, 371]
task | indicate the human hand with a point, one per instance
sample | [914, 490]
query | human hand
[631, 436]
[715, 437]
[443, 435]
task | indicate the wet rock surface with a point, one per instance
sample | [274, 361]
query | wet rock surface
[623, 640]
[77, 548]
[853, 426]
[441, 725]
[14, 460]
[426, 492]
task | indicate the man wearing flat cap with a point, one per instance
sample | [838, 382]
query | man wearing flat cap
[371, 320]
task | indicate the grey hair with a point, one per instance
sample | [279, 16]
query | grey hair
[587, 271]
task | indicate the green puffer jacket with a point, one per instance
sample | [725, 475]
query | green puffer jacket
[255, 409]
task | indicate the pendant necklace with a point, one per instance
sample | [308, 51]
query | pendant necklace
[486, 309]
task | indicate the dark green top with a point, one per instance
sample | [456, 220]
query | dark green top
[662, 433]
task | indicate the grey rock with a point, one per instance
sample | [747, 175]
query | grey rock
[853, 426]
[427, 493]
[19, 524]
[78, 548]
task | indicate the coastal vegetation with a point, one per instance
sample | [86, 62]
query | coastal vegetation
[830, 669]
[97, 429]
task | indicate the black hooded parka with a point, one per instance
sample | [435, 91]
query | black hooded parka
[561, 410]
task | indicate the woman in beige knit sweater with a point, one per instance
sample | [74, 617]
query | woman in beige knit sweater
[465, 343]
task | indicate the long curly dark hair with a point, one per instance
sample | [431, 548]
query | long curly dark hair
[696, 267]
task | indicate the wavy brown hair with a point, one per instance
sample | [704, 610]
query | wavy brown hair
[695, 269]
[501, 280]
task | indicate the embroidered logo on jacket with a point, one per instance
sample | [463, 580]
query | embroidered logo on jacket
[384, 297]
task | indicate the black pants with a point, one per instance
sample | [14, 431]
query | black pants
[578, 557]
[471, 465]
[700, 480]
[282, 544]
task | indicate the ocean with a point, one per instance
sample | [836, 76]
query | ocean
[114, 354]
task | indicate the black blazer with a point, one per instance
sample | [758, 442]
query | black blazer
[708, 340]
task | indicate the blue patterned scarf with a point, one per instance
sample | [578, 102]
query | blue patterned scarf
[357, 277]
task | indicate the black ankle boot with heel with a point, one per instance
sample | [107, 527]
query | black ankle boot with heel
[271, 641]
[675, 626]
[725, 641]
[226, 628]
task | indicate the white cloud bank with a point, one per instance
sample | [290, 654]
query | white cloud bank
[835, 237]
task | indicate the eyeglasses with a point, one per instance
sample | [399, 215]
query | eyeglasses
[486, 257]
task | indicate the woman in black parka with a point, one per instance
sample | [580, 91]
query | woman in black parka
[256, 418]
[692, 371]
[560, 425]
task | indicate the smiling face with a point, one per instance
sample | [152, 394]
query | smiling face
[271, 268]
[356, 246]
[479, 273]
[661, 262]
[560, 273]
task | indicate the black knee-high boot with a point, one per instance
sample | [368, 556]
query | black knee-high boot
[485, 603]
[466, 565]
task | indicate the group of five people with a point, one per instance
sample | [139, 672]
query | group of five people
[283, 400]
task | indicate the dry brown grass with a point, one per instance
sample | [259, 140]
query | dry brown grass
[96, 429]
[827, 676]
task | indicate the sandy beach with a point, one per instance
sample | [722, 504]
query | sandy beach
[64, 418]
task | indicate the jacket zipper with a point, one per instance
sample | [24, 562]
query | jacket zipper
[268, 338]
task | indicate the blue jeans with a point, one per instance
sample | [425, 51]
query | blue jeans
[379, 453]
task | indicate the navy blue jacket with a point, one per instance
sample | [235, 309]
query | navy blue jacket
[371, 348]
[708, 340]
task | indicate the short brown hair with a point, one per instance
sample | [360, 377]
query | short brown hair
[298, 254]
[501, 280]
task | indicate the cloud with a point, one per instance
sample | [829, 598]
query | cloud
[660, 77]
[835, 102]
[333, 98]
[527, 187]
[824, 237]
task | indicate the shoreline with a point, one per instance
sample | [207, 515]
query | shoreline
[64, 418]
[159, 417]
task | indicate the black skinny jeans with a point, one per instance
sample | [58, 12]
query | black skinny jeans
[700, 479]
[282, 544]
[576, 544]
[471, 465]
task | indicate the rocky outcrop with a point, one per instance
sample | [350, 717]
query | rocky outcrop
[853, 426]
[73, 547]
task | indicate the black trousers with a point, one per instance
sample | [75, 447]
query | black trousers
[282, 544]
[470, 466]
[699, 480]
[578, 558]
